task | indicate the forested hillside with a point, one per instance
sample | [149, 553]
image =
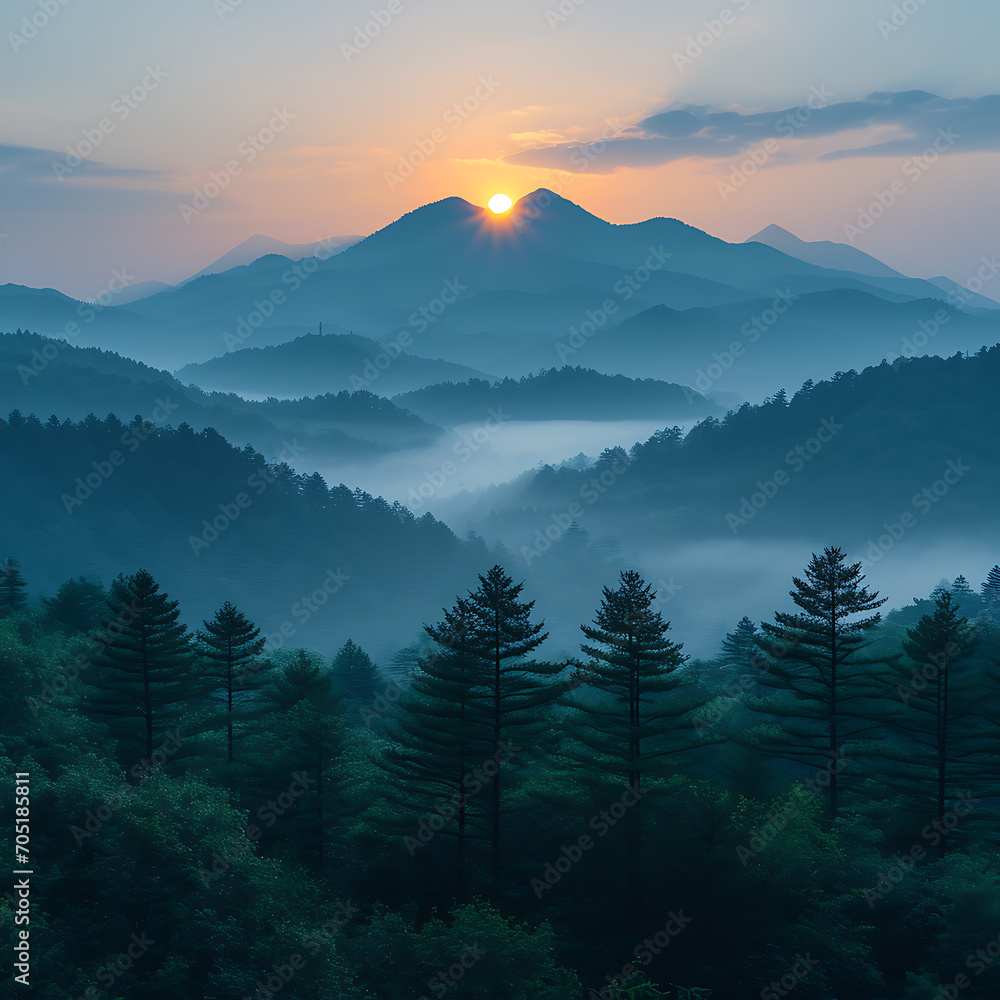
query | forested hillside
[237, 819]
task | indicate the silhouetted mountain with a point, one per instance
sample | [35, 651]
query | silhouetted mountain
[558, 394]
[825, 253]
[74, 382]
[857, 457]
[212, 519]
[259, 246]
[459, 281]
[312, 365]
[752, 348]
[843, 257]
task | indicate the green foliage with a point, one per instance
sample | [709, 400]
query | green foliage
[502, 958]
[78, 605]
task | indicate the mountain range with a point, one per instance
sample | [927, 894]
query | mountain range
[544, 285]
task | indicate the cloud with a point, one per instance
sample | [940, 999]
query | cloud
[26, 163]
[898, 124]
[44, 180]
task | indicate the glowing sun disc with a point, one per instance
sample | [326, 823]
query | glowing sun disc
[499, 204]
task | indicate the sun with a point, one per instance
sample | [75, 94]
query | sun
[499, 204]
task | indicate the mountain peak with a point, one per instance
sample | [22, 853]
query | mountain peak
[547, 207]
[771, 232]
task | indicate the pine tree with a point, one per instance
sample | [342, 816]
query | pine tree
[308, 718]
[231, 644]
[966, 599]
[812, 661]
[739, 648]
[935, 699]
[78, 604]
[493, 627]
[990, 592]
[439, 735]
[144, 675]
[13, 587]
[355, 673]
[633, 664]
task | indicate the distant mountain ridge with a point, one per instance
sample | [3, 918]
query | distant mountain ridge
[312, 365]
[559, 394]
[844, 257]
[258, 246]
[77, 382]
[499, 294]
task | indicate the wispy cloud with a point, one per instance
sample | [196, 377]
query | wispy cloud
[896, 123]
[26, 163]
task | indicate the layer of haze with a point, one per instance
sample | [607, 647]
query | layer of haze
[544, 78]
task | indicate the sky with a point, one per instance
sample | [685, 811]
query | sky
[144, 140]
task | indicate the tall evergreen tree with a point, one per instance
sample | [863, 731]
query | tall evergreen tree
[966, 599]
[78, 604]
[739, 648]
[355, 673]
[13, 587]
[439, 735]
[232, 645]
[936, 700]
[990, 592]
[824, 687]
[144, 675]
[635, 727]
[493, 627]
[306, 716]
